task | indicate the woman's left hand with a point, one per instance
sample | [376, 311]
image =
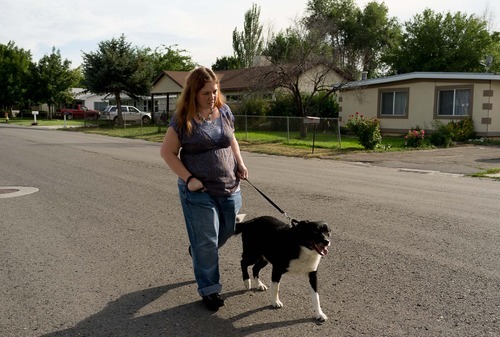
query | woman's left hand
[242, 171]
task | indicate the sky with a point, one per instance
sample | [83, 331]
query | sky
[203, 28]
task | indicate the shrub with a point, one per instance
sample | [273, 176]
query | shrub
[367, 130]
[442, 135]
[445, 134]
[252, 106]
[321, 105]
[284, 105]
[463, 130]
[415, 138]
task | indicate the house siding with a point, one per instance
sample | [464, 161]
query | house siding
[164, 85]
[422, 104]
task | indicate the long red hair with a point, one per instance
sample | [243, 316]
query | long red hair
[187, 105]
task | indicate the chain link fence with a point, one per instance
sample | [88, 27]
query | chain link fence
[290, 127]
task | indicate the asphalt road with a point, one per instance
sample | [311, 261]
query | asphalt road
[101, 250]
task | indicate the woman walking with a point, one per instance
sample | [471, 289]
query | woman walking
[201, 149]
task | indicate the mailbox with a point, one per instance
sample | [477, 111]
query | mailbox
[34, 113]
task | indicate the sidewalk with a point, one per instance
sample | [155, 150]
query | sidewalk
[464, 159]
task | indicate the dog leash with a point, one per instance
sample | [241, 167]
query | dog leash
[292, 220]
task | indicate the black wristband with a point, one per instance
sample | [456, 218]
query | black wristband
[188, 179]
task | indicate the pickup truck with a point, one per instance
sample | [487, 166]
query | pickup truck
[78, 113]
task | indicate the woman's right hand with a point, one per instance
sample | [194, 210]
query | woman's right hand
[195, 185]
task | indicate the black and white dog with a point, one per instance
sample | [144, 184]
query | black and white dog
[295, 248]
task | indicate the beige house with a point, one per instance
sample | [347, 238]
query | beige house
[402, 102]
[234, 84]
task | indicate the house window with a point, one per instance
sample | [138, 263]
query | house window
[393, 103]
[100, 105]
[454, 102]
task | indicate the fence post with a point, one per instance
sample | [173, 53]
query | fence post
[288, 128]
[338, 133]
[246, 127]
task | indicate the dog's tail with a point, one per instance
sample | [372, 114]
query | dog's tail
[239, 223]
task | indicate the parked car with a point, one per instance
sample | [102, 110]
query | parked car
[78, 112]
[129, 114]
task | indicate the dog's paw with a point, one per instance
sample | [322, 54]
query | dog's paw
[277, 304]
[248, 284]
[259, 285]
[321, 317]
[275, 299]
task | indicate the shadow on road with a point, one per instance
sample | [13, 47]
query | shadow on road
[489, 160]
[119, 318]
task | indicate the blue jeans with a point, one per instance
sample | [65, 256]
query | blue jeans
[210, 222]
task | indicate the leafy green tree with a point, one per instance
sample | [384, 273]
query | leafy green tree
[335, 20]
[79, 79]
[14, 71]
[226, 63]
[52, 80]
[436, 42]
[492, 60]
[374, 35]
[357, 38]
[116, 68]
[171, 58]
[285, 47]
[248, 43]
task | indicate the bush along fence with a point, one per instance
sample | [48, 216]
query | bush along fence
[366, 129]
[289, 127]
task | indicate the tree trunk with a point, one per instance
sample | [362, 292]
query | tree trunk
[119, 109]
[49, 113]
[301, 113]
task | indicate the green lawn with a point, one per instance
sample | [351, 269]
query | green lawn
[322, 140]
[45, 122]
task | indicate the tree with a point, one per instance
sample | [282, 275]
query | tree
[374, 35]
[14, 71]
[335, 21]
[52, 80]
[116, 68]
[436, 42]
[226, 63]
[357, 38]
[248, 43]
[298, 55]
[492, 61]
[171, 58]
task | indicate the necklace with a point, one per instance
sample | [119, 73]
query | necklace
[209, 117]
